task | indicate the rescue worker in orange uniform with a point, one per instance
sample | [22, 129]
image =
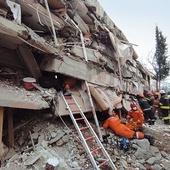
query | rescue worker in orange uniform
[67, 84]
[121, 129]
[135, 117]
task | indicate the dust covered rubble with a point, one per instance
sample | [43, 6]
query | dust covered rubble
[47, 144]
[42, 140]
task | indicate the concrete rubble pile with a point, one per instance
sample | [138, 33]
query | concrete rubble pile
[47, 42]
[46, 139]
[69, 38]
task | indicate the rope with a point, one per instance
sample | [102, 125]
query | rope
[38, 15]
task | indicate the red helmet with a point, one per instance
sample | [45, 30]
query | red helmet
[149, 93]
[133, 104]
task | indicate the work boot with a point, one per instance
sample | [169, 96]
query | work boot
[150, 138]
[67, 92]
[166, 122]
[153, 121]
[105, 140]
[149, 122]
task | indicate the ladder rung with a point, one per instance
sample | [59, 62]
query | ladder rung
[103, 163]
[90, 138]
[95, 150]
[75, 111]
[79, 118]
[70, 100]
[84, 128]
[71, 103]
[68, 97]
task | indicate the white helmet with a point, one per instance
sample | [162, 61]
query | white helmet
[162, 92]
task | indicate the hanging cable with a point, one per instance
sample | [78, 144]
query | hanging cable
[39, 15]
[52, 24]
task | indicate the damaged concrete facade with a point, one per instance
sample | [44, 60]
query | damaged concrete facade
[69, 39]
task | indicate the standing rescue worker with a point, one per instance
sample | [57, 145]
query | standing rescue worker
[164, 106]
[149, 96]
[155, 107]
[135, 117]
[148, 113]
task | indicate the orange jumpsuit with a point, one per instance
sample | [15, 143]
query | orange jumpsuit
[121, 129]
[136, 119]
[69, 82]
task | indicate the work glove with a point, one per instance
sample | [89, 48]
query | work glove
[138, 121]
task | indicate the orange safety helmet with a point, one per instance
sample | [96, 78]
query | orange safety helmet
[133, 104]
[156, 94]
[141, 95]
[66, 86]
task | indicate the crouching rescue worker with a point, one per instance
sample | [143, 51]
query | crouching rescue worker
[114, 123]
[135, 117]
[67, 84]
[121, 129]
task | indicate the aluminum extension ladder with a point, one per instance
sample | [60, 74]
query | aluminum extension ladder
[72, 103]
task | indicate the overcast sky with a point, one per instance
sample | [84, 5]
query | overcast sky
[138, 19]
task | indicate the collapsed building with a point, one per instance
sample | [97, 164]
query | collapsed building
[49, 41]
